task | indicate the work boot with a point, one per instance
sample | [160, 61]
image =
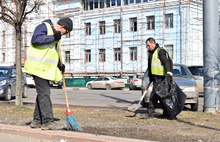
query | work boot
[51, 126]
[147, 116]
[166, 116]
[163, 116]
[35, 124]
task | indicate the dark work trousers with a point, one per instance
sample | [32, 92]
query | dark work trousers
[43, 112]
[154, 98]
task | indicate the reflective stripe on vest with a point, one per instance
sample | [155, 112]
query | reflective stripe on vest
[42, 59]
[156, 65]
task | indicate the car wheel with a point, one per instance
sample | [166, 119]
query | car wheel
[24, 93]
[194, 107]
[8, 94]
[60, 87]
[130, 86]
[89, 86]
[108, 87]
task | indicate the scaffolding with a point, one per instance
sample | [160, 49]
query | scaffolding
[108, 53]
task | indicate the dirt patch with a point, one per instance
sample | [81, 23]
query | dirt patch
[189, 126]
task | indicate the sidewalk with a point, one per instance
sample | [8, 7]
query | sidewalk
[11, 133]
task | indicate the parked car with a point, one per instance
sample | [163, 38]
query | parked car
[184, 79]
[58, 84]
[30, 81]
[197, 72]
[106, 82]
[136, 81]
[8, 82]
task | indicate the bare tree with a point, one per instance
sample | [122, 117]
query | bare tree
[14, 12]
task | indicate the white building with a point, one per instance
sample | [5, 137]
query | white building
[108, 36]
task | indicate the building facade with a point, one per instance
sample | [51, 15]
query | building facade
[108, 38]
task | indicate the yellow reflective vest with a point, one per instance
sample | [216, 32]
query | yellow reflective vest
[42, 59]
[156, 66]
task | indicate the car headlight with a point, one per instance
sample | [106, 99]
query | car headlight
[3, 82]
[190, 89]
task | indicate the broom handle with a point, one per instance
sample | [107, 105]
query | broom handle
[64, 84]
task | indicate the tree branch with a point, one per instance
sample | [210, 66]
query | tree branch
[5, 14]
[26, 13]
[11, 22]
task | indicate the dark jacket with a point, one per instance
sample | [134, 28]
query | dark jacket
[163, 58]
[40, 34]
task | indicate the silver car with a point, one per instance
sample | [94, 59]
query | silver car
[136, 81]
[197, 72]
[184, 79]
[106, 82]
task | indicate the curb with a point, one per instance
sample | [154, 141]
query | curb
[70, 136]
[84, 88]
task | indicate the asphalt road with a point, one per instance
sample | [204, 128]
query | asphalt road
[99, 98]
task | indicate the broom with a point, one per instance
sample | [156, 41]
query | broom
[135, 107]
[70, 120]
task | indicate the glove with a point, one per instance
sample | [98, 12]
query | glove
[170, 73]
[61, 67]
[169, 76]
[57, 35]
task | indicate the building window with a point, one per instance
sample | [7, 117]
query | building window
[117, 26]
[133, 24]
[67, 56]
[3, 37]
[113, 2]
[102, 3]
[87, 56]
[101, 55]
[87, 29]
[3, 57]
[133, 53]
[117, 54]
[169, 20]
[169, 49]
[125, 2]
[96, 3]
[131, 1]
[118, 2]
[150, 22]
[90, 5]
[101, 27]
[107, 3]
[138, 1]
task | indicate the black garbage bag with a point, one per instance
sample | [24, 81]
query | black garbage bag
[172, 97]
[166, 88]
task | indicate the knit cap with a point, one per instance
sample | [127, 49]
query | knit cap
[66, 22]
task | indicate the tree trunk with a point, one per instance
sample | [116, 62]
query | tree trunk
[18, 67]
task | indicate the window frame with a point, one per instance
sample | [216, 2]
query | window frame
[117, 26]
[87, 55]
[67, 57]
[169, 21]
[169, 49]
[101, 27]
[133, 53]
[117, 54]
[102, 55]
[133, 25]
[87, 28]
[150, 22]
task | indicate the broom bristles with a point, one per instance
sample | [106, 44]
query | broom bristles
[72, 124]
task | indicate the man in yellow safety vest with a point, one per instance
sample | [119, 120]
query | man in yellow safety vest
[43, 63]
[158, 68]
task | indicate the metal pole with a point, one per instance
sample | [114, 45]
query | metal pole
[210, 54]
